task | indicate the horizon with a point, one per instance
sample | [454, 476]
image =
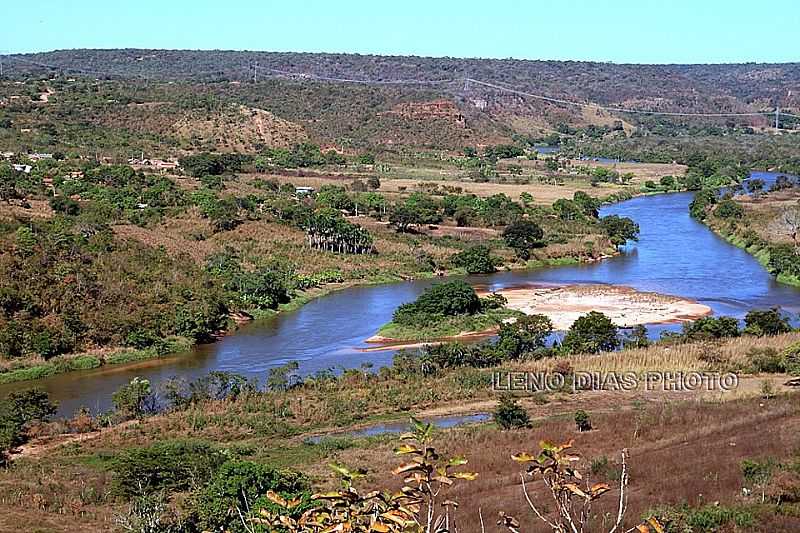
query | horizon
[622, 32]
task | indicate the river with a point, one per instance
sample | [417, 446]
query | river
[674, 255]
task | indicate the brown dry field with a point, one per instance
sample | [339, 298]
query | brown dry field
[544, 194]
[762, 211]
[260, 238]
[37, 209]
[680, 452]
[685, 447]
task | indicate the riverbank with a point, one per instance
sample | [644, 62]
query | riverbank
[37, 368]
[756, 225]
[760, 252]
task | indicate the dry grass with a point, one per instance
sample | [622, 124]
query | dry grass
[684, 446]
[37, 209]
[729, 354]
[763, 211]
[679, 452]
[543, 193]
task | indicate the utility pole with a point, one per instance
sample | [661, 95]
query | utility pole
[255, 72]
[777, 118]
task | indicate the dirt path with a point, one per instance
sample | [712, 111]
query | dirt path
[38, 446]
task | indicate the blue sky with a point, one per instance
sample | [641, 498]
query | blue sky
[623, 31]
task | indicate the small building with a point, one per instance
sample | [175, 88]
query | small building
[303, 191]
[36, 156]
[22, 168]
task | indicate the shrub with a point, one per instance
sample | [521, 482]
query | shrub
[134, 399]
[510, 415]
[522, 236]
[711, 327]
[65, 205]
[620, 229]
[525, 335]
[449, 299]
[729, 209]
[591, 333]
[475, 260]
[769, 322]
[17, 411]
[243, 485]
[766, 360]
[582, 420]
[171, 466]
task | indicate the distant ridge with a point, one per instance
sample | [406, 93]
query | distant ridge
[742, 87]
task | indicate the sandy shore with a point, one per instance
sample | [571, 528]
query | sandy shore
[625, 306]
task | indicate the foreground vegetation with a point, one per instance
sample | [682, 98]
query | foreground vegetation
[220, 444]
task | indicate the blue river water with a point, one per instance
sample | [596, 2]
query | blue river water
[674, 255]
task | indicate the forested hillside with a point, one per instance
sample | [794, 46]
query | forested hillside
[698, 87]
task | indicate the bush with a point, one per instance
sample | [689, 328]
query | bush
[510, 415]
[65, 205]
[475, 260]
[591, 333]
[134, 400]
[766, 360]
[525, 335]
[522, 236]
[242, 485]
[448, 299]
[729, 209]
[711, 327]
[769, 322]
[172, 466]
[582, 420]
[17, 411]
[620, 229]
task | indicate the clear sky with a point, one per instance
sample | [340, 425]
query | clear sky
[623, 31]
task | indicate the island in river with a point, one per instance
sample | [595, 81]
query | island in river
[563, 304]
[625, 306]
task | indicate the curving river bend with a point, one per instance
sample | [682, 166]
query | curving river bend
[675, 255]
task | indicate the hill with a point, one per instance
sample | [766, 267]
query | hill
[149, 99]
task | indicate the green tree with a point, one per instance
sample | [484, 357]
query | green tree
[766, 322]
[620, 229]
[522, 236]
[243, 485]
[712, 327]
[334, 197]
[591, 333]
[525, 335]
[449, 299]
[510, 415]
[17, 411]
[475, 260]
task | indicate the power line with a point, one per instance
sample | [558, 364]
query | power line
[615, 109]
[466, 81]
[295, 75]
